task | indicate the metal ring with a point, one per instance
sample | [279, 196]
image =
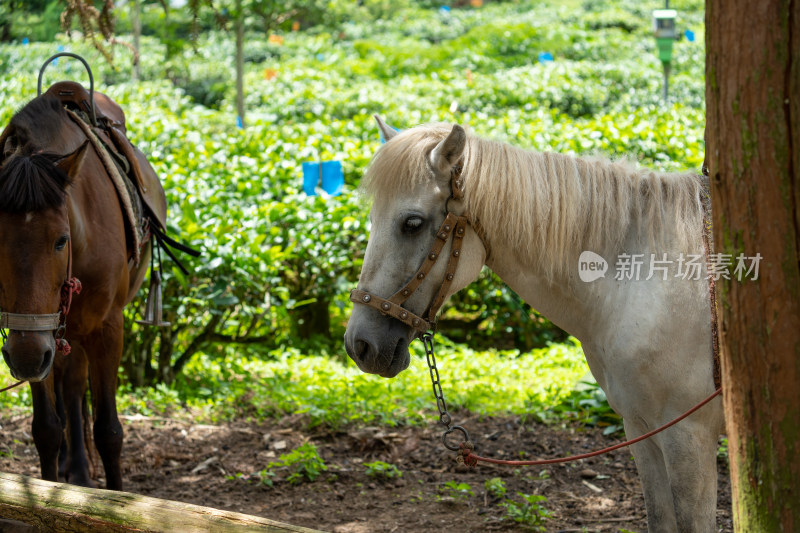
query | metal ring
[446, 433]
[91, 79]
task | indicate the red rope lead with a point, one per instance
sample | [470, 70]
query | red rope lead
[470, 459]
[18, 383]
[70, 287]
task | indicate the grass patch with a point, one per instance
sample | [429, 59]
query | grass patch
[334, 393]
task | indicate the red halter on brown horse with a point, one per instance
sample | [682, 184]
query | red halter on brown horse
[60, 219]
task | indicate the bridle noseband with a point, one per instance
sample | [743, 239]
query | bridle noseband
[55, 322]
[454, 226]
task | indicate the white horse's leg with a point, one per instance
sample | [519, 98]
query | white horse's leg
[690, 456]
[658, 498]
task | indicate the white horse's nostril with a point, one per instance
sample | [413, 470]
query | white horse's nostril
[361, 350]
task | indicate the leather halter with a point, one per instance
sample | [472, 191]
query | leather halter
[55, 322]
[454, 226]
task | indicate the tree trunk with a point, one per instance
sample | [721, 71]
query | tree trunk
[240, 63]
[136, 22]
[165, 348]
[137, 355]
[753, 153]
[312, 319]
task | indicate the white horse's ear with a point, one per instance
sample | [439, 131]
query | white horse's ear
[387, 131]
[448, 152]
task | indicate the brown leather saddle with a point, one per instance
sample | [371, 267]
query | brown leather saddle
[110, 128]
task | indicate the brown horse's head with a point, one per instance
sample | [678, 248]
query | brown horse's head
[34, 244]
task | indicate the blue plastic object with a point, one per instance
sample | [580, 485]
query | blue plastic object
[25, 40]
[544, 57]
[689, 35]
[328, 174]
[239, 123]
[60, 48]
[445, 9]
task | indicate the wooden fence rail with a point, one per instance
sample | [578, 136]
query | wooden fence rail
[70, 509]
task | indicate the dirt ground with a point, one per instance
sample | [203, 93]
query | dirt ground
[178, 460]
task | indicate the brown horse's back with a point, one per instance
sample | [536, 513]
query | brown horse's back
[113, 131]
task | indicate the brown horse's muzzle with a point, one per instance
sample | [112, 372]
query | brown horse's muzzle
[29, 354]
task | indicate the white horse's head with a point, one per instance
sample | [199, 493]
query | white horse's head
[409, 180]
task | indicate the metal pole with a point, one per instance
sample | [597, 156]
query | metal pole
[239, 24]
[666, 83]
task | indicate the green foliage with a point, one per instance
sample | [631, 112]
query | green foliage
[496, 487]
[38, 20]
[383, 471]
[302, 464]
[457, 491]
[586, 405]
[530, 512]
[333, 394]
[274, 260]
[722, 449]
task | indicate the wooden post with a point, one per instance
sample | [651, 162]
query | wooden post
[136, 22]
[71, 509]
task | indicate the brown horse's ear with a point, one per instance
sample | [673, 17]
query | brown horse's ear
[71, 164]
[450, 151]
[387, 131]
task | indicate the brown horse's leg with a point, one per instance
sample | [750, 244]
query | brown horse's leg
[63, 452]
[104, 351]
[75, 375]
[46, 427]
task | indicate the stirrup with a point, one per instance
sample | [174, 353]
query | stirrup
[153, 312]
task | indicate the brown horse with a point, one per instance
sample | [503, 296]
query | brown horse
[60, 217]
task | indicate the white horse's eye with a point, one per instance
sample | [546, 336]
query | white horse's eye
[412, 224]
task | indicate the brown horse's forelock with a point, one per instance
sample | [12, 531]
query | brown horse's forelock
[31, 184]
[30, 181]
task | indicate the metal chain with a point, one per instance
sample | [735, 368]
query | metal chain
[444, 417]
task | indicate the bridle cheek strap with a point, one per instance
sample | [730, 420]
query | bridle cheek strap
[453, 226]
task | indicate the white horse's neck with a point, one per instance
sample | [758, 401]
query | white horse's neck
[564, 302]
[593, 205]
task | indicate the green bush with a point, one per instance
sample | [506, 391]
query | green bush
[277, 265]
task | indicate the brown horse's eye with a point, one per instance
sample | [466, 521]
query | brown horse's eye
[62, 242]
[412, 225]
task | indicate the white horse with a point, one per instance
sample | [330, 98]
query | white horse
[647, 336]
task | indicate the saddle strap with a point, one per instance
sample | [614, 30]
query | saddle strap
[117, 179]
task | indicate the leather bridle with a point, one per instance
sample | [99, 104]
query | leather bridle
[55, 322]
[454, 226]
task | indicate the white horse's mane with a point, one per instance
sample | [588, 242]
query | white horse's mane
[551, 206]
